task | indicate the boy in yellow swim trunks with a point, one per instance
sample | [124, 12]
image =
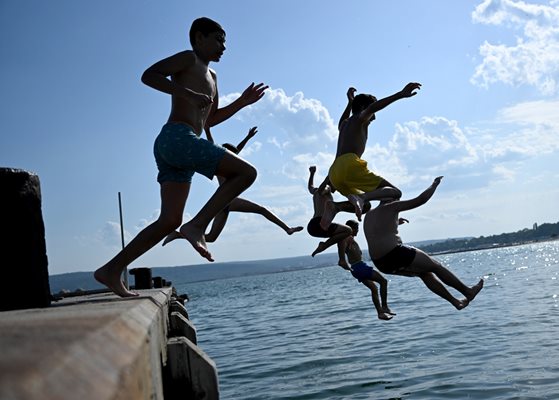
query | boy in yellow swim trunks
[349, 173]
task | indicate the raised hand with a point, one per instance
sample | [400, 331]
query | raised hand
[253, 131]
[351, 93]
[253, 93]
[312, 169]
[408, 90]
[437, 181]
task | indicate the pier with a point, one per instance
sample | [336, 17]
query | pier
[100, 346]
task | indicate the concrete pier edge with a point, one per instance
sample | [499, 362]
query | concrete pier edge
[100, 347]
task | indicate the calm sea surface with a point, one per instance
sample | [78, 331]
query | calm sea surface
[313, 334]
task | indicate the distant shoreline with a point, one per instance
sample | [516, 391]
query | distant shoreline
[493, 246]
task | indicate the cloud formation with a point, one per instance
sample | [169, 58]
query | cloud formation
[534, 58]
[292, 121]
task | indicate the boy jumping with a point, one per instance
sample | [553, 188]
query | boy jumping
[349, 173]
[180, 151]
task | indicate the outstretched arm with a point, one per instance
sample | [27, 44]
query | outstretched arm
[342, 246]
[250, 95]
[417, 201]
[252, 131]
[407, 91]
[347, 111]
[310, 185]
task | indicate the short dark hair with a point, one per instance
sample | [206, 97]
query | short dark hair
[231, 148]
[362, 101]
[205, 26]
[353, 224]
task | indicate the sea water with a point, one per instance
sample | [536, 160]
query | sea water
[313, 334]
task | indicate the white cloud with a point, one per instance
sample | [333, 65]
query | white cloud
[109, 235]
[293, 121]
[534, 59]
[533, 112]
[251, 149]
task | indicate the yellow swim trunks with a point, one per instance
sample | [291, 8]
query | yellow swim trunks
[349, 175]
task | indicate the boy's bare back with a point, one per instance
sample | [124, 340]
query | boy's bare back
[381, 230]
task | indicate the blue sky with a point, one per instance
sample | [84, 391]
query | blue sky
[75, 112]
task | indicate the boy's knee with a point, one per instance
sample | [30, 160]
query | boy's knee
[169, 223]
[251, 173]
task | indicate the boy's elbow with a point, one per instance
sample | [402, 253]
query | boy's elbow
[147, 77]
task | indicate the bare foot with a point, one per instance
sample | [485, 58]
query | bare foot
[358, 203]
[384, 316]
[196, 238]
[328, 215]
[321, 247]
[171, 236]
[460, 304]
[113, 281]
[475, 290]
[291, 231]
[387, 310]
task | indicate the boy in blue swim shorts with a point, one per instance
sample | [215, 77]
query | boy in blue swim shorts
[180, 151]
[363, 273]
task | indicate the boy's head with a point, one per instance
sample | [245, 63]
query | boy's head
[231, 148]
[354, 225]
[362, 101]
[205, 27]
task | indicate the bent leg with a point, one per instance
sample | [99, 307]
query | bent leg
[173, 199]
[341, 232]
[218, 224]
[374, 296]
[427, 263]
[346, 206]
[239, 175]
[383, 284]
[437, 287]
[246, 206]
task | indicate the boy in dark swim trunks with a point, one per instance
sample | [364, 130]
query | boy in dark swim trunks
[363, 273]
[390, 256]
[238, 204]
[334, 232]
[180, 151]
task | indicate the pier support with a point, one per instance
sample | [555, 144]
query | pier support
[23, 254]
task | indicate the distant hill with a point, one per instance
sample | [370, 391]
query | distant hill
[210, 271]
[201, 272]
[538, 233]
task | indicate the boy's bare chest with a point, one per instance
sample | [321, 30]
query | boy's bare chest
[197, 79]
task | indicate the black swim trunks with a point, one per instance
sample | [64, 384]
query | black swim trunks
[397, 261]
[316, 230]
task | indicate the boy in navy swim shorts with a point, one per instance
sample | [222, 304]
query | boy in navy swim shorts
[363, 273]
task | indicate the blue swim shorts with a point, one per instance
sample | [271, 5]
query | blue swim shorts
[361, 271]
[179, 153]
